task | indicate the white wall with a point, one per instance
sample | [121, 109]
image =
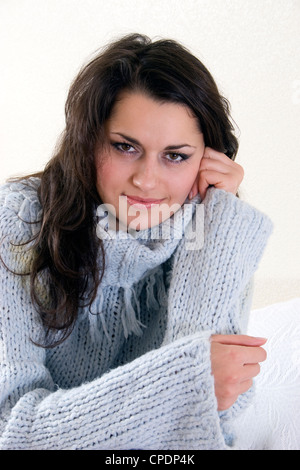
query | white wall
[250, 46]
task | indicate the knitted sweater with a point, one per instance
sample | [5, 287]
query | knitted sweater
[135, 373]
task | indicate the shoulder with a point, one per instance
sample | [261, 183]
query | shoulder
[20, 208]
[14, 193]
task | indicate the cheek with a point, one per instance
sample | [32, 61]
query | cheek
[104, 174]
[182, 184]
[105, 180]
[107, 173]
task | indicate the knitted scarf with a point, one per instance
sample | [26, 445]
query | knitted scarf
[134, 260]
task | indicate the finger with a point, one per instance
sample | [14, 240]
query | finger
[244, 355]
[253, 355]
[242, 374]
[226, 396]
[203, 182]
[239, 340]
[228, 182]
[215, 154]
[221, 178]
[250, 371]
[244, 386]
[222, 166]
[194, 189]
[212, 157]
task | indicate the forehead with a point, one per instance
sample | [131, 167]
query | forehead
[137, 112]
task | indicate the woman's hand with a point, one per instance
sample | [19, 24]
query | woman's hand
[216, 169]
[234, 361]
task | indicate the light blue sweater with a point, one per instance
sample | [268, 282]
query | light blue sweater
[135, 373]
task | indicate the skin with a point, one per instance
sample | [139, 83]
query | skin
[138, 162]
[235, 361]
[154, 159]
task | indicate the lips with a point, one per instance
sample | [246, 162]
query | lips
[142, 202]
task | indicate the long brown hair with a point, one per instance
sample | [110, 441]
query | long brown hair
[66, 245]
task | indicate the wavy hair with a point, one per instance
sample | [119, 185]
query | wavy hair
[66, 246]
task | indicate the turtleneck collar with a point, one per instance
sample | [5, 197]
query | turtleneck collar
[129, 256]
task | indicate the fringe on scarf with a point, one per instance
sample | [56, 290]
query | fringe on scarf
[131, 316]
[151, 301]
[156, 296]
[131, 319]
[93, 319]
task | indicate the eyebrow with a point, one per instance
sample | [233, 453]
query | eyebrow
[136, 142]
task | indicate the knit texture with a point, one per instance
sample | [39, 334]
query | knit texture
[135, 373]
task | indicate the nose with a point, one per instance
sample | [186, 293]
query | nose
[145, 175]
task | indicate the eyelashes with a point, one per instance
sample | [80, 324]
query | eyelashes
[123, 147]
[174, 157]
[128, 149]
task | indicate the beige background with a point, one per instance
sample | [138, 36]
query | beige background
[250, 46]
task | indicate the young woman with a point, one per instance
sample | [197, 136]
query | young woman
[112, 338]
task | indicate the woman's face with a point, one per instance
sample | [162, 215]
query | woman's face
[151, 160]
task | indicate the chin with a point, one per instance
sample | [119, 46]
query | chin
[143, 219]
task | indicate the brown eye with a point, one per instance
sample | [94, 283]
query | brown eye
[176, 157]
[123, 147]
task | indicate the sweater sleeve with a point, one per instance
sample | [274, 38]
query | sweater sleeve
[158, 401]
[211, 287]
[161, 400]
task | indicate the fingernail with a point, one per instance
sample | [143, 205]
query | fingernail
[261, 339]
